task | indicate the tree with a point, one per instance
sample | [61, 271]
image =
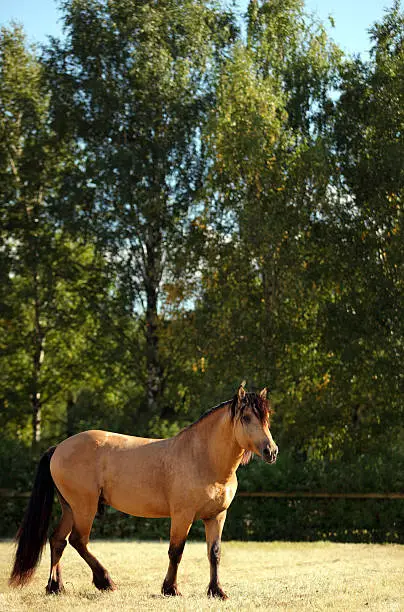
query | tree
[49, 279]
[270, 140]
[368, 257]
[133, 83]
[30, 162]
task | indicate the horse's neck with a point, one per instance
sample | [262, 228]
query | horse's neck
[222, 450]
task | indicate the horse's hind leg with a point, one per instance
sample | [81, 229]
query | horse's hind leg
[57, 544]
[83, 517]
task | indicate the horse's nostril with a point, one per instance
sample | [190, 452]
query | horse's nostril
[267, 451]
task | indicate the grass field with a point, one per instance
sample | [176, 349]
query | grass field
[279, 575]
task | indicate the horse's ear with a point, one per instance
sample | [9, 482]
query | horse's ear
[264, 393]
[241, 391]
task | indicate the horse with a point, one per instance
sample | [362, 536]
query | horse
[187, 477]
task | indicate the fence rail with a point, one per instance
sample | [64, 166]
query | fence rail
[12, 493]
[275, 494]
[320, 494]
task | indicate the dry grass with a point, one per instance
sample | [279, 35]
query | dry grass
[279, 575]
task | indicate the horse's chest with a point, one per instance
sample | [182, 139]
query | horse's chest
[217, 497]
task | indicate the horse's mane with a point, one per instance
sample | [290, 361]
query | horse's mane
[205, 415]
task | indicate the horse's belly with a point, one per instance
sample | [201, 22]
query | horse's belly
[139, 502]
[136, 483]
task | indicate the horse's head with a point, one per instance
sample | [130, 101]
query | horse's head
[250, 413]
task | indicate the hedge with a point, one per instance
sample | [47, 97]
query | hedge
[265, 519]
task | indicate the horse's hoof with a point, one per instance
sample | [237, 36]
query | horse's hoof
[54, 588]
[217, 591]
[106, 586]
[103, 582]
[170, 590]
[111, 586]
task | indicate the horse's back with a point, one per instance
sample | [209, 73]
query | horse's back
[88, 450]
[97, 438]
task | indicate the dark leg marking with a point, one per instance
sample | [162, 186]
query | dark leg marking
[57, 544]
[101, 577]
[170, 587]
[55, 587]
[214, 588]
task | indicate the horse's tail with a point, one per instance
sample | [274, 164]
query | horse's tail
[32, 534]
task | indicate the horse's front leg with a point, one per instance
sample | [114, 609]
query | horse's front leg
[180, 526]
[213, 529]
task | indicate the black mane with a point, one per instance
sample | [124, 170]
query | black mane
[258, 405]
[206, 414]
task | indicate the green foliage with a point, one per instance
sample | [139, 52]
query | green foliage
[257, 519]
[308, 520]
[302, 283]
[182, 207]
[133, 83]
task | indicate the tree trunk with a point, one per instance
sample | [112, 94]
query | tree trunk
[38, 355]
[269, 295]
[152, 283]
[152, 353]
[70, 428]
[35, 394]
[36, 419]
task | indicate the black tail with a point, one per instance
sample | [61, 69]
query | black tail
[33, 531]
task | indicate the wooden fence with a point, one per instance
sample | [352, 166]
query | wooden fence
[320, 494]
[275, 494]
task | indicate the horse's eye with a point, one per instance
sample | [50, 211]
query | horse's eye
[246, 418]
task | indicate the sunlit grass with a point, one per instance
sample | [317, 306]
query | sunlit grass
[279, 575]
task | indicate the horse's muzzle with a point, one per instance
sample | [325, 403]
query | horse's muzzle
[269, 454]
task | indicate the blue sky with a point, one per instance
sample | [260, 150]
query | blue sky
[352, 17]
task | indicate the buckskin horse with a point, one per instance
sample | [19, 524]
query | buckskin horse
[187, 477]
